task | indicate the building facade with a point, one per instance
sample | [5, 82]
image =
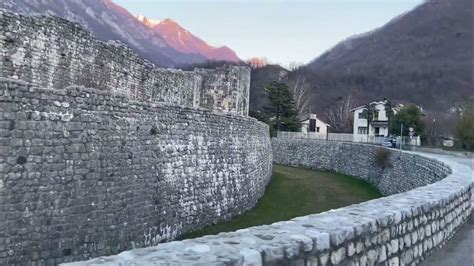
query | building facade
[312, 124]
[378, 127]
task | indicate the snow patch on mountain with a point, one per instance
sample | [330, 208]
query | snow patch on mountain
[147, 21]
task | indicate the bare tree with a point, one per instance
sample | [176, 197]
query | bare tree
[439, 125]
[300, 89]
[339, 116]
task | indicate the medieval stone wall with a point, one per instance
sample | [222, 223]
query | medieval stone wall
[85, 173]
[52, 52]
[428, 200]
[219, 89]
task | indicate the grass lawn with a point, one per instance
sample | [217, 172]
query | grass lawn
[295, 192]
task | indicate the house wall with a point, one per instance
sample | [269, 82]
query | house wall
[362, 122]
[87, 173]
[305, 128]
[322, 126]
[427, 201]
[52, 52]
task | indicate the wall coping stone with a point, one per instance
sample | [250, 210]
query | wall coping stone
[119, 97]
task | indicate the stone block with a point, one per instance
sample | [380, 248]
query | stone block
[338, 255]
[251, 257]
[394, 261]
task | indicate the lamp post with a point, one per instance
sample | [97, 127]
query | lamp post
[327, 131]
[401, 135]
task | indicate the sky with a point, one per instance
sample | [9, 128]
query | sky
[285, 32]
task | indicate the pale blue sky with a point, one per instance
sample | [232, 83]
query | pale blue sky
[283, 31]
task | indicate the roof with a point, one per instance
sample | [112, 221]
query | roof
[363, 106]
[317, 118]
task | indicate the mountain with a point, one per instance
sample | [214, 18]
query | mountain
[108, 21]
[185, 42]
[147, 22]
[424, 56]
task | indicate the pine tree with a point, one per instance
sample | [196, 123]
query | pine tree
[282, 108]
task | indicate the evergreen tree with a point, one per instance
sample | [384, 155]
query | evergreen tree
[389, 113]
[409, 116]
[282, 109]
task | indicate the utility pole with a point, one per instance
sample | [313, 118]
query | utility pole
[401, 135]
[327, 131]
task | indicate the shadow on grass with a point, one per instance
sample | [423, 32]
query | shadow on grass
[295, 192]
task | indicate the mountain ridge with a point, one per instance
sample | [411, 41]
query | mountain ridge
[415, 57]
[184, 41]
[109, 21]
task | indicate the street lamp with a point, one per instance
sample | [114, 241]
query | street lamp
[327, 131]
[401, 135]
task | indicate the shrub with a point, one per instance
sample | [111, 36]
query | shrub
[382, 158]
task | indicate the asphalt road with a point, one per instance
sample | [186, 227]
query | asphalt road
[459, 250]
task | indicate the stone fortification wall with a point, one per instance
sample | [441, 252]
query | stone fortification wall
[85, 173]
[52, 52]
[428, 200]
[219, 88]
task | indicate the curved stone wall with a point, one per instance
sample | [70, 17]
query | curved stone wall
[433, 200]
[85, 173]
[399, 172]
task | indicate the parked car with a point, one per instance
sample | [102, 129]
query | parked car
[389, 142]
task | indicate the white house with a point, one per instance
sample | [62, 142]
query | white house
[312, 124]
[378, 127]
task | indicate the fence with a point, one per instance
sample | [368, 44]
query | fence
[407, 141]
[320, 136]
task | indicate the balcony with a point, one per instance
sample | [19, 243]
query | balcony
[379, 123]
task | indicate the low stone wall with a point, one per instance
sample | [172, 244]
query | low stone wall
[397, 172]
[52, 52]
[85, 173]
[433, 200]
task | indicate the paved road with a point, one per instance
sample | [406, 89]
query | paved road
[459, 251]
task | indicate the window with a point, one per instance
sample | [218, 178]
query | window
[317, 129]
[376, 115]
[362, 130]
[362, 115]
[312, 125]
[377, 131]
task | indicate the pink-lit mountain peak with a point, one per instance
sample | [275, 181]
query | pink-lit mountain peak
[169, 25]
[169, 21]
[148, 22]
[185, 42]
[179, 37]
